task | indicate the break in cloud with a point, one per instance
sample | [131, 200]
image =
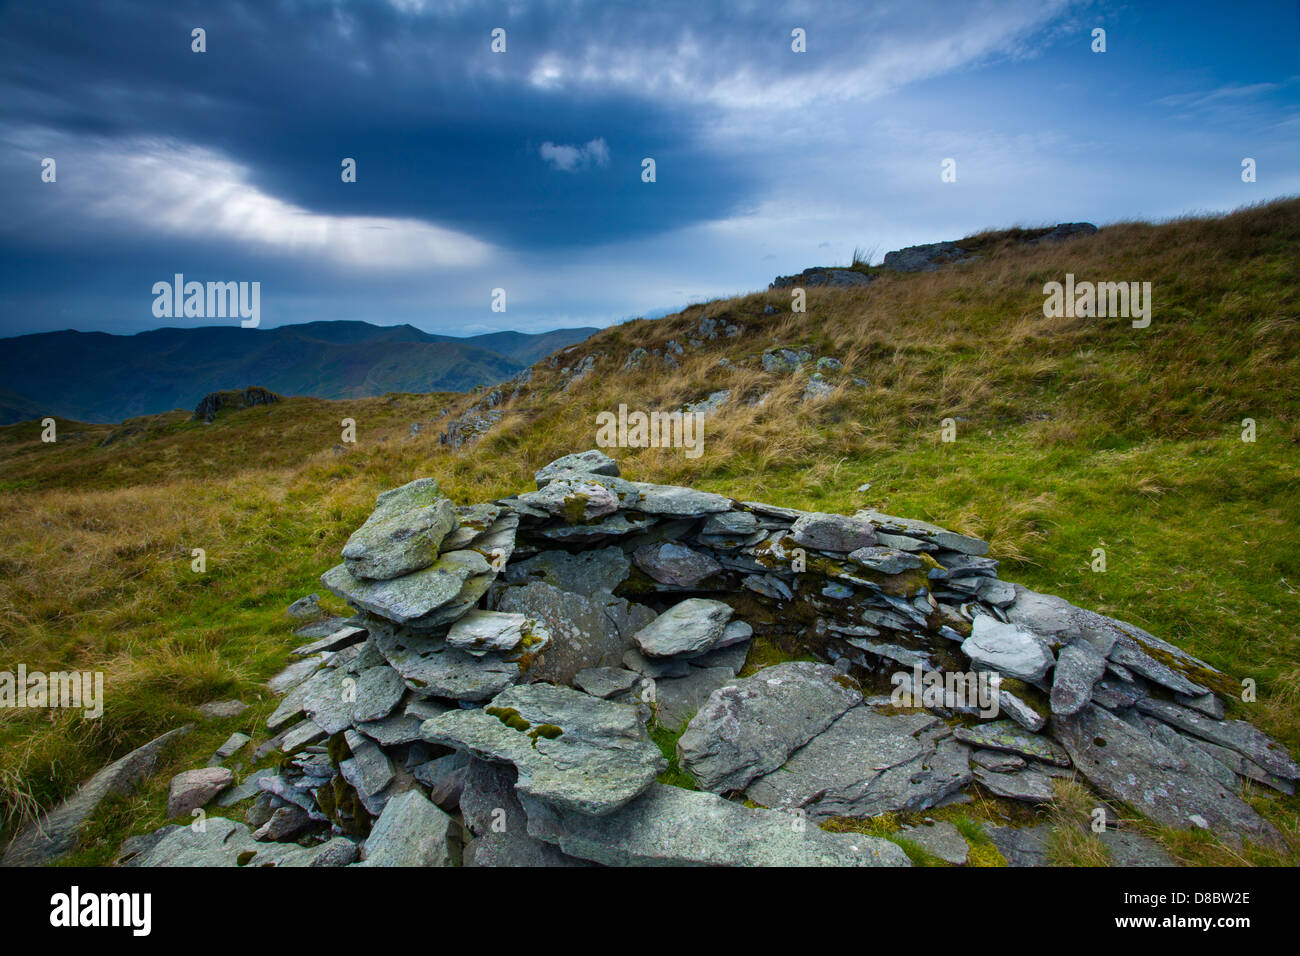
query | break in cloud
[521, 170]
[573, 158]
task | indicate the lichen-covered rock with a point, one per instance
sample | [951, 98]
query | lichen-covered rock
[571, 749]
[412, 599]
[593, 461]
[669, 826]
[868, 763]
[751, 726]
[693, 626]
[402, 534]
[1125, 762]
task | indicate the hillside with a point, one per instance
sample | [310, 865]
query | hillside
[96, 377]
[1071, 434]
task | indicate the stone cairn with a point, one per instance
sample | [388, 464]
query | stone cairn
[490, 701]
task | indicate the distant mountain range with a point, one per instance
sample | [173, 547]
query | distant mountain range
[98, 377]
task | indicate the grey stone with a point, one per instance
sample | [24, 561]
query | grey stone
[832, 532]
[1208, 704]
[413, 598]
[378, 691]
[1127, 848]
[1010, 650]
[750, 727]
[732, 657]
[733, 524]
[374, 768]
[1078, 668]
[1008, 736]
[481, 631]
[300, 735]
[885, 560]
[668, 826]
[782, 361]
[445, 778]
[343, 636]
[576, 498]
[585, 632]
[1234, 734]
[514, 850]
[675, 564]
[284, 823]
[1022, 846]
[589, 573]
[867, 763]
[234, 743]
[997, 761]
[659, 667]
[195, 788]
[593, 461]
[57, 830]
[677, 699]
[305, 608]
[410, 832]
[923, 531]
[605, 682]
[246, 788]
[672, 500]
[402, 535]
[693, 626]
[1028, 785]
[577, 751]
[221, 709]
[1126, 763]
[224, 842]
[432, 669]
[940, 839]
[294, 674]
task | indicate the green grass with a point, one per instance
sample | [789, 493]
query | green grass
[1071, 435]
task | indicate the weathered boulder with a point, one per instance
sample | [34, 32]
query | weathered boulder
[832, 532]
[402, 534]
[410, 832]
[55, 833]
[693, 626]
[571, 749]
[868, 763]
[671, 563]
[194, 788]
[669, 826]
[593, 461]
[1125, 762]
[751, 726]
[413, 599]
[1007, 649]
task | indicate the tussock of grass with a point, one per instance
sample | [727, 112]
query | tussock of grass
[1072, 434]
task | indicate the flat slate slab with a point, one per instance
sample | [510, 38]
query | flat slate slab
[1127, 763]
[56, 832]
[693, 626]
[669, 826]
[1010, 737]
[576, 751]
[868, 763]
[431, 668]
[750, 727]
[413, 598]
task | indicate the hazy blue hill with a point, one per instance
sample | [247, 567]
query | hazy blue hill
[97, 377]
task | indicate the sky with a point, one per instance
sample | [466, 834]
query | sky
[522, 170]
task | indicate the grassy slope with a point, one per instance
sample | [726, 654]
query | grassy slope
[1072, 434]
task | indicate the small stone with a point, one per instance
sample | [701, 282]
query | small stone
[940, 839]
[594, 462]
[1010, 737]
[693, 626]
[222, 709]
[410, 832]
[605, 682]
[675, 564]
[234, 743]
[194, 788]
[1007, 649]
[832, 532]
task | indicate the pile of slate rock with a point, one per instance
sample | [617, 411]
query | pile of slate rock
[491, 702]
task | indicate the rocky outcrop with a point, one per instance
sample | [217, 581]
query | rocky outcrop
[499, 704]
[213, 402]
